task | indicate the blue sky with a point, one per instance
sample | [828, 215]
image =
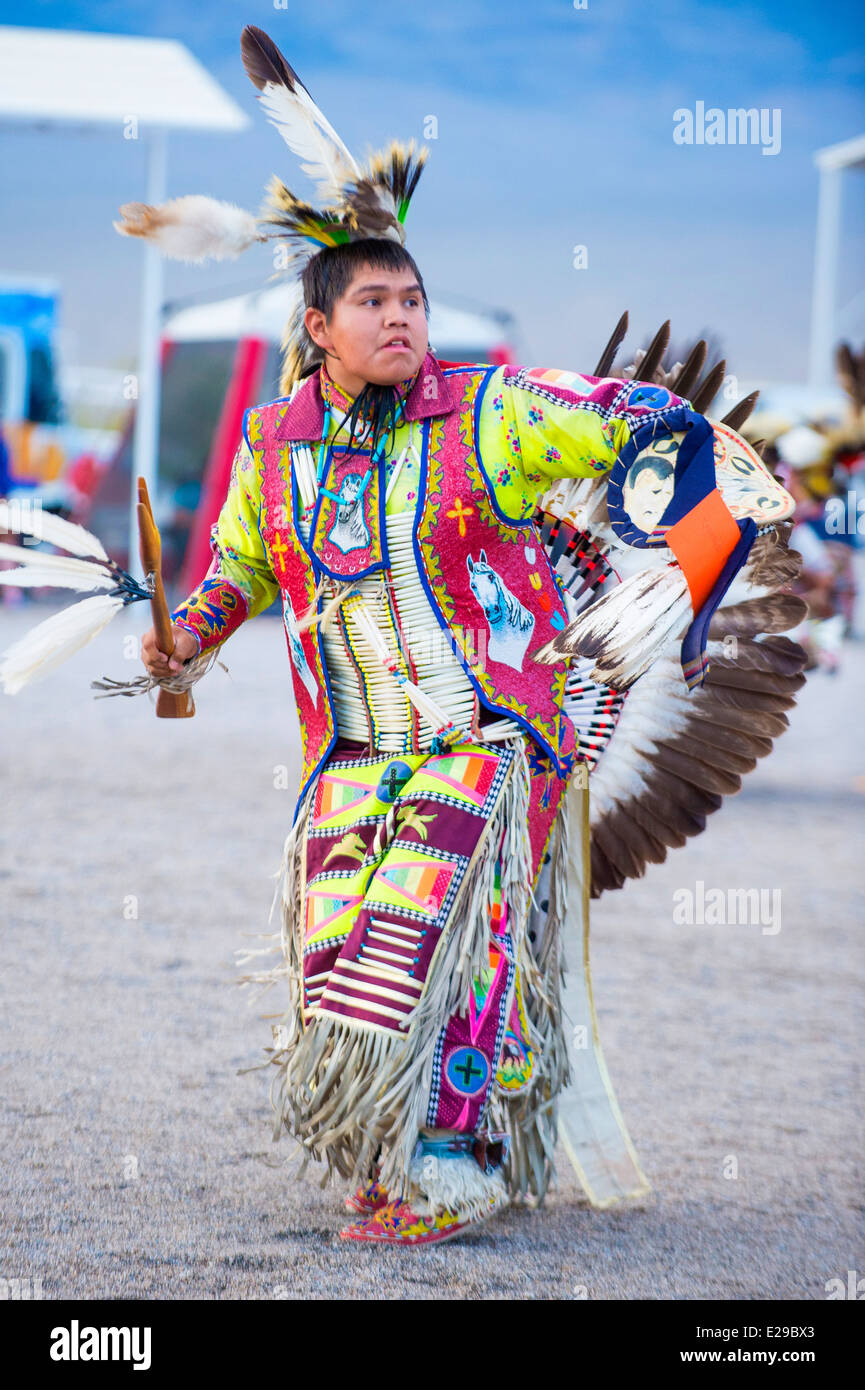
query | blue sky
[555, 130]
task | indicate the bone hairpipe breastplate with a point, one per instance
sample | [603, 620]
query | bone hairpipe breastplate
[370, 702]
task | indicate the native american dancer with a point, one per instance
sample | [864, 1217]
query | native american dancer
[494, 580]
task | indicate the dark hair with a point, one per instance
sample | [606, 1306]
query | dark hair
[327, 276]
[660, 467]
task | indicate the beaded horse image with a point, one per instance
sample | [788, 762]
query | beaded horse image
[511, 623]
[349, 530]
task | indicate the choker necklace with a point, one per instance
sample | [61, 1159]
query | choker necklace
[373, 413]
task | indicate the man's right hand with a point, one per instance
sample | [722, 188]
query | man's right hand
[158, 664]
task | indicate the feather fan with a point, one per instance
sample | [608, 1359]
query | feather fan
[54, 530]
[62, 564]
[51, 642]
[39, 576]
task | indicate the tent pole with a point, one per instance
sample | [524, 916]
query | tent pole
[145, 462]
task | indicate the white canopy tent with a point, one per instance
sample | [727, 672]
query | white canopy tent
[831, 161]
[110, 81]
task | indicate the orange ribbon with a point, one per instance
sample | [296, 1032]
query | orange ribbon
[702, 542]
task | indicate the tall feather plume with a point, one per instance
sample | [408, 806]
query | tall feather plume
[302, 125]
[372, 208]
[194, 228]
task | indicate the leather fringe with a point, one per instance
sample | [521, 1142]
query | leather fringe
[346, 1090]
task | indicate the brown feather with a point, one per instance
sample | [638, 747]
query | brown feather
[140, 219]
[746, 673]
[662, 820]
[644, 845]
[773, 566]
[690, 745]
[776, 656]
[654, 354]
[690, 371]
[365, 212]
[604, 875]
[736, 417]
[708, 388]
[692, 802]
[777, 613]
[608, 356]
[699, 774]
[741, 698]
[617, 851]
[764, 724]
[263, 61]
[737, 742]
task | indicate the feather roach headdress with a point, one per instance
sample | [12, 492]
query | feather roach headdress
[356, 202]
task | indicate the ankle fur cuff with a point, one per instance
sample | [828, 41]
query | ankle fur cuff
[455, 1183]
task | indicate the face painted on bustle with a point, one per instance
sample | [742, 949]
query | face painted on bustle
[649, 484]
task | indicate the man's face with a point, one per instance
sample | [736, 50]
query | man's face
[378, 328]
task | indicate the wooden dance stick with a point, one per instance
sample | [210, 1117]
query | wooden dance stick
[169, 705]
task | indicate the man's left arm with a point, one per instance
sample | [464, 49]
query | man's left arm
[539, 424]
[658, 457]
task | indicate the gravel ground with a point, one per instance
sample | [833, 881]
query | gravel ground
[137, 1162]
